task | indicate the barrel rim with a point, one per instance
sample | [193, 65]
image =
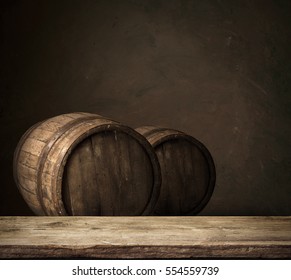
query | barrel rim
[177, 134]
[59, 134]
[153, 198]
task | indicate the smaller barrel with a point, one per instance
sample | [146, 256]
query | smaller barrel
[86, 164]
[188, 171]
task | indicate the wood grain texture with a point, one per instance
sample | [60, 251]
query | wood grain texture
[188, 171]
[115, 176]
[145, 237]
[85, 164]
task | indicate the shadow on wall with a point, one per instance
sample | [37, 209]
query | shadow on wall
[217, 70]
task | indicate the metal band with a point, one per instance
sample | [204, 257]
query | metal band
[152, 131]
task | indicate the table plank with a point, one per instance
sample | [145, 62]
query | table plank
[146, 237]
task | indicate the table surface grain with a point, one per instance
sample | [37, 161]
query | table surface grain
[146, 237]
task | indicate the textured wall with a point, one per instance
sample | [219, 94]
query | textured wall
[218, 70]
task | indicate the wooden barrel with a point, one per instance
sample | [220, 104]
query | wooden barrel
[188, 171]
[85, 164]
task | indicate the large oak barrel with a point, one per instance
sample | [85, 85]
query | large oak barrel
[188, 171]
[85, 164]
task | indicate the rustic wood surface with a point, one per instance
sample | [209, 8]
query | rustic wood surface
[145, 237]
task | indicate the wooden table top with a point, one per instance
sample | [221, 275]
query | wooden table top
[144, 237]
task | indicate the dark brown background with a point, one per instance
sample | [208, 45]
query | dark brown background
[218, 70]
